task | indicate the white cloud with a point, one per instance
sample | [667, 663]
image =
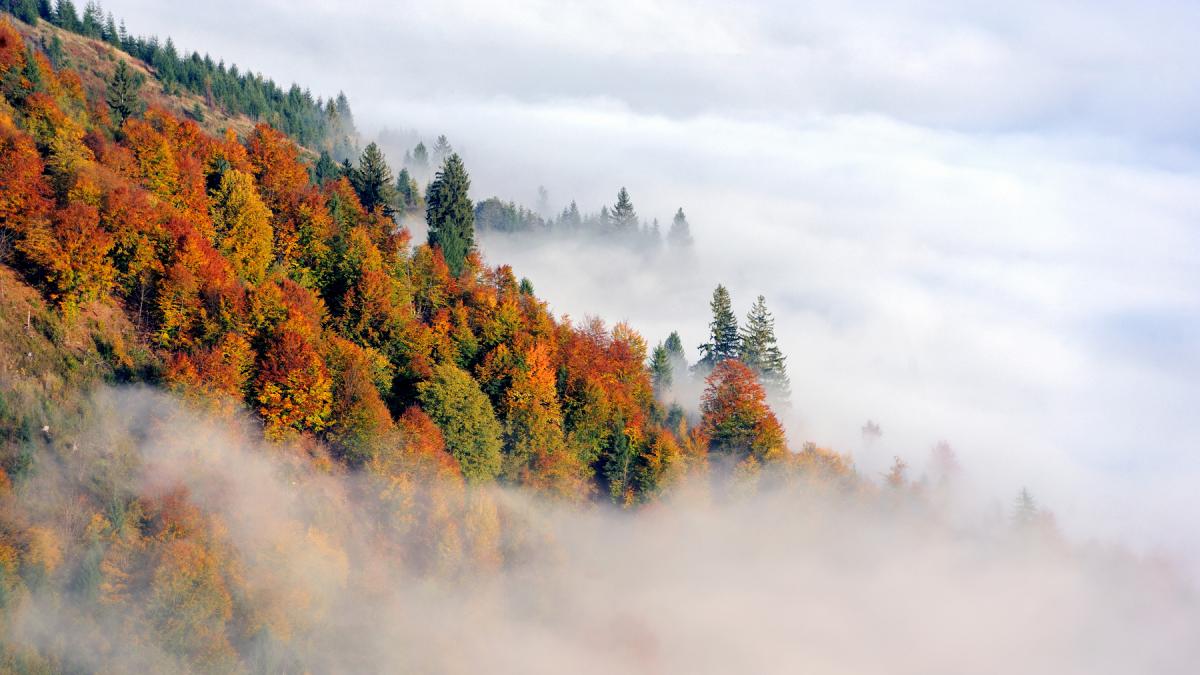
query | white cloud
[974, 221]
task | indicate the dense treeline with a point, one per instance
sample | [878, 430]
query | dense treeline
[305, 300]
[239, 275]
[617, 224]
[316, 123]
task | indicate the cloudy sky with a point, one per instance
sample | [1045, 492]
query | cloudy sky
[975, 223]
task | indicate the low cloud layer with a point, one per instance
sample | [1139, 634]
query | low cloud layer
[974, 223]
[783, 582]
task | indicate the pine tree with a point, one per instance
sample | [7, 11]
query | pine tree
[26, 10]
[122, 93]
[325, 169]
[680, 234]
[723, 332]
[623, 217]
[420, 160]
[406, 189]
[760, 350]
[372, 180]
[1025, 509]
[441, 149]
[660, 369]
[678, 359]
[450, 214]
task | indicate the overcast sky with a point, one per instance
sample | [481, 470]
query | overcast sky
[976, 223]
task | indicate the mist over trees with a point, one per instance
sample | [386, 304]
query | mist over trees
[248, 424]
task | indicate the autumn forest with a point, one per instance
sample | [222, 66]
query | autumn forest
[209, 295]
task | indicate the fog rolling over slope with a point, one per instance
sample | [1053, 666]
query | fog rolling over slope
[777, 582]
[972, 223]
[465, 352]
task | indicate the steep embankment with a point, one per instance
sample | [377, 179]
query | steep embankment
[94, 61]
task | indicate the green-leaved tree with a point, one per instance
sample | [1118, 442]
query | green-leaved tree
[453, 399]
[450, 213]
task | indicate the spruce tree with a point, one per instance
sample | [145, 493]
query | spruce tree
[406, 189]
[760, 350]
[26, 10]
[450, 214]
[372, 180]
[122, 93]
[623, 217]
[420, 160]
[723, 332]
[678, 359]
[660, 369]
[680, 234]
[326, 169]
[441, 150]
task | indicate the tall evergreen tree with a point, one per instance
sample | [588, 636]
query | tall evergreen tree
[325, 169]
[760, 350]
[678, 359]
[680, 234]
[450, 214]
[723, 340]
[420, 160]
[623, 217]
[408, 195]
[660, 369]
[372, 180]
[122, 93]
[26, 10]
[441, 149]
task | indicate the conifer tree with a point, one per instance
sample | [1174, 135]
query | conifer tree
[372, 180]
[122, 93]
[677, 358]
[623, 217]
[407, 193]
[441, 149]
[325, 169]
[760, 350]
[26, 10]
[660, 369]
[420, 160]
[450, 213]
[680, 234]
[1025, 509]
[723, 332]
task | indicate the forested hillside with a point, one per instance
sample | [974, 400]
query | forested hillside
[176, 225]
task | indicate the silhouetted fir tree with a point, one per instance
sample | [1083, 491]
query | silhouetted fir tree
[723, 332]
[571, 217]
[441, 150]
[450, 213]
[420, 160]
[677, 359]
[372, 180]
[121, 94]
[1025, 509]
[624, 218]
[680, 234]
[760, 350]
